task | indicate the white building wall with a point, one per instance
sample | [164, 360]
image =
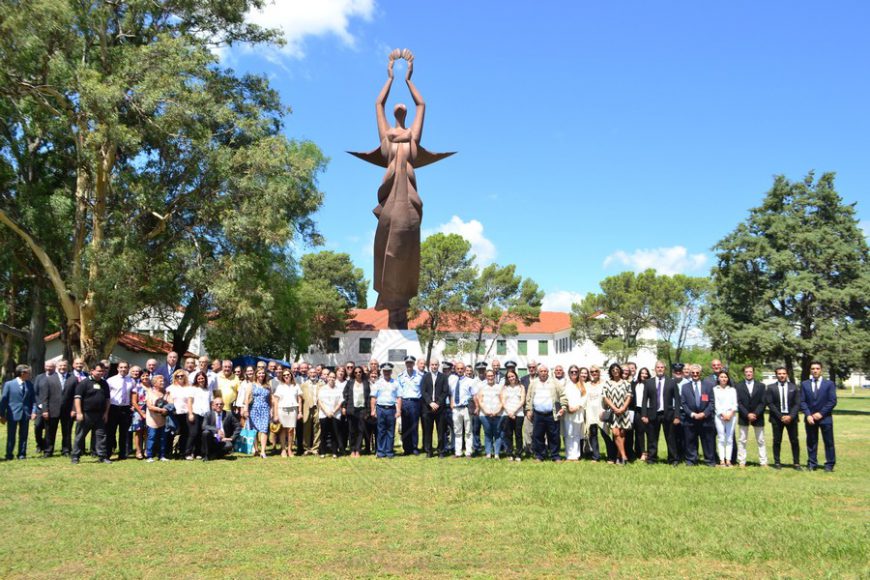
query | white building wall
[583, 353]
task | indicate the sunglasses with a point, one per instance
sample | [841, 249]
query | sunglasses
[573, 372]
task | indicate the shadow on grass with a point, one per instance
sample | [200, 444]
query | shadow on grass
[851, 412]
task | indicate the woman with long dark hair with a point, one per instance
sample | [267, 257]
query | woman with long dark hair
[617, 398]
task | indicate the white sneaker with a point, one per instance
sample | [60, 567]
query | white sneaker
[189, 458]
[150, 460]
[518, 459]
[163, 459]
[496, 455]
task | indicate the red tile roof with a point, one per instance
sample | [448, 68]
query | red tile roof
[371, 319]
[135, 342]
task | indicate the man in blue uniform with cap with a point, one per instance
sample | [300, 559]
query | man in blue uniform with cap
[411, 393]
[386, 407]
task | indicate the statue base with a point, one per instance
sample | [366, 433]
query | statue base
[398, 319]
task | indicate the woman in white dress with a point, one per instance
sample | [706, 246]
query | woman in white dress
[287, 398]
[574, 419]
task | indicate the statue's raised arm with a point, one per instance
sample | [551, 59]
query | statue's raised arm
[417, 127]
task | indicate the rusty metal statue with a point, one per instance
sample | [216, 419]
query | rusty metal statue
[399, 210]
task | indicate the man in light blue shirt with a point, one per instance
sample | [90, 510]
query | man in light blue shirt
[386, 407]
[412, 393]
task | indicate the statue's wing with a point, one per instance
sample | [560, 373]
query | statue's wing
[425, 157]
[374, 156]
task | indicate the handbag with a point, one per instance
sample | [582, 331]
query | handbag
[607, 416]
[244, 443]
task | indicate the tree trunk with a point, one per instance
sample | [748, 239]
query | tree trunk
[36, 332]
[789, 366]
[9, 338]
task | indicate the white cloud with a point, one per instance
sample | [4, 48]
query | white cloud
[298, 19]
[472, 230]
[673, 260]
[560, 300]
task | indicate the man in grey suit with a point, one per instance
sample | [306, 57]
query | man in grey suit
[17, 406]
[49, 399]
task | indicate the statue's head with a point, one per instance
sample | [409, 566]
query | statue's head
[400, 111]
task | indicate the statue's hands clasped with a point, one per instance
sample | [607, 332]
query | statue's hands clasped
[404, 54]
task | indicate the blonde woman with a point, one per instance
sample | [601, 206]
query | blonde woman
[573, 422]
[258, 409]
[287, 399]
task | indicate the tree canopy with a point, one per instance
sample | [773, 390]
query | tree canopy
[136, 171]
[792, 282]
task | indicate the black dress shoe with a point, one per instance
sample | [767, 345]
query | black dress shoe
[829, 469]
[810, 468]
[798, 468]
[777, 466]
[105, 460]
[75, 460]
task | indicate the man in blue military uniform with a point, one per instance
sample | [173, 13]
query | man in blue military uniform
[386, 407]
[412, 393]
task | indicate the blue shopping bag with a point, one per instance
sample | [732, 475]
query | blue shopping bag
[244, 443]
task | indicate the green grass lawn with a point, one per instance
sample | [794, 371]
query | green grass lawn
[417, 517]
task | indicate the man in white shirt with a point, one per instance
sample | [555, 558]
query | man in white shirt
[118, 425]
[750, 414]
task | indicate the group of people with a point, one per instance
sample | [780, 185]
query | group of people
[199, 409]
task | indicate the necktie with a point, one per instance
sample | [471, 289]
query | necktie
[22, 387]
[456, 393]
[697, 394]
[659, 392]
[219, 424]
[783, 398]
[815, 386]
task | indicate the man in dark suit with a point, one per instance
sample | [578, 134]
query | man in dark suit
[750, 415]
[435, 391]
[168, 368]
[219, 431]
[660, 408]
[818, 399]
[783, 401]
[17, 410]
[696, 403]
[67, 407]
[41, 387]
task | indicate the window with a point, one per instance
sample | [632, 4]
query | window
[365, 346]
[543, 347]
[501, 347]
[332, 345]
[523, 347]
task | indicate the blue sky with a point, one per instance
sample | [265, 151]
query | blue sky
[592, 138]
